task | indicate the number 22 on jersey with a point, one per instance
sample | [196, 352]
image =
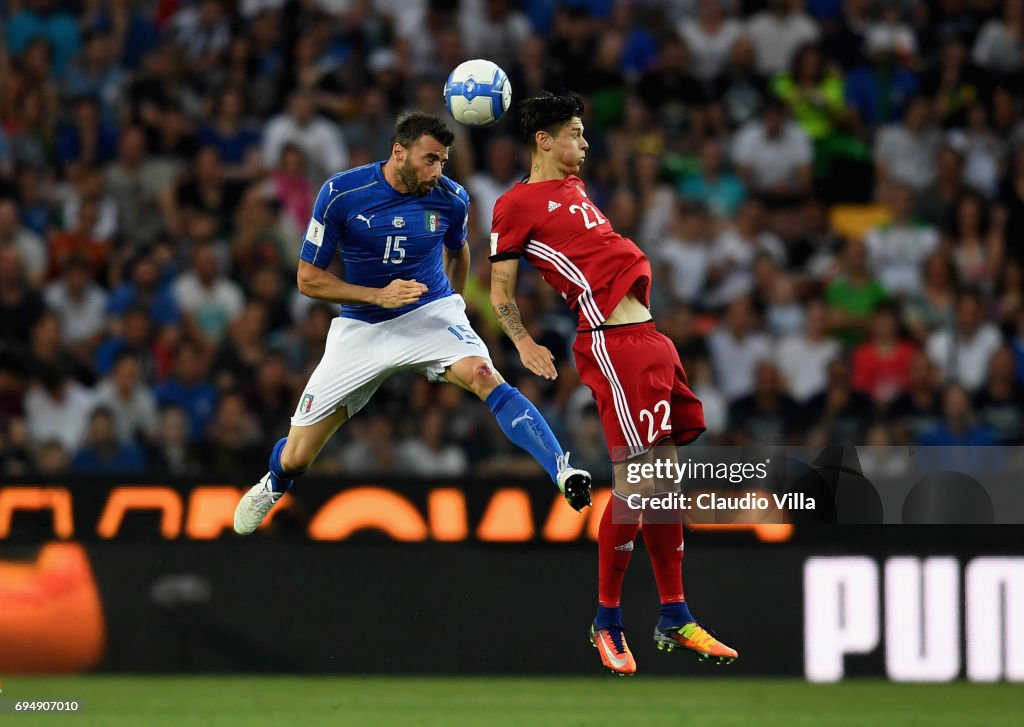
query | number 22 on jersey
[586, 210]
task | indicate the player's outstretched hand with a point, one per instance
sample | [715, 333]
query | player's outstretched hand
[400, 292]
[537, 358]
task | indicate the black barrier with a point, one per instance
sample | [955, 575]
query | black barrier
[824, 613]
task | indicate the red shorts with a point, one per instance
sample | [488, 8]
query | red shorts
[640, 388]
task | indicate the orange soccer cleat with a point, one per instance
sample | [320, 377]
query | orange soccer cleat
[610, 643]
[696, 638]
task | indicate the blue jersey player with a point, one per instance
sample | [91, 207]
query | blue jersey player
[400, 228]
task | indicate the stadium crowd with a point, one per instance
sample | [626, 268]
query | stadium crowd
[831, 193]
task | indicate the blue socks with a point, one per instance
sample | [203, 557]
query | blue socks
[525, 427]
[608, 617]
[675, 614]
[279, 480]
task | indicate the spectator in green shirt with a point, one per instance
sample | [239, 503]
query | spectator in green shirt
[853, 295]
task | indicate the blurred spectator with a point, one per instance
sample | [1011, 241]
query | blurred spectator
[768, 415]
[129, 401]
[714, 186]
[146, 289]
[898, 248]
[103, 452]
[735, 252]
[854, 294]
[80, 304]
[210, 299]
[190, 389]
[87, 137]
[963, 350]
[202, 31]
[96, 74]
[80, 240]
[959, 426]
[371, 449]
[933, 306]
[428, 454]
[935, 202]
[172, 451]
[919, 409]
[685, 252]
[234, 441]
[997, 48]
[319, 139]
[243, 348]
[773, 155]
[270, 395]
[44, 19]
[803, 358]
[669, 90]
[977, 241]
[47, 349]
[905, 153]
[134, 331]
[57, 408]
[28, 246]
[138, 185]
[710, 37]
[206, 191]
[842, 412]
[290, 185]
[955, 85]
[51, 458]
[1011, 198]
[232, 134]
[982, 150]
[881, 365]
[492, 29]
[777, 32]
[737, 347]
[485, 187]
[740, 92]
[879, 90]
[588, 447]
[1000, 405]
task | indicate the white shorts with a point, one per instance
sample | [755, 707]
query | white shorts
[359, 356]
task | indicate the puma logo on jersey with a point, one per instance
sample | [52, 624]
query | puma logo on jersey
[521, 417]
[366, 219]
[552, 206]
[330, 188]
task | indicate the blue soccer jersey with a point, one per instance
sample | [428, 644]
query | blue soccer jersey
[383, 234]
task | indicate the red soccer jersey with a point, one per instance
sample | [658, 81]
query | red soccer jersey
[571, 243]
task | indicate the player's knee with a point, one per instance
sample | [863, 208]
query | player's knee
[483, 378]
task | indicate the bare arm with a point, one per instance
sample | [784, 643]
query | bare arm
[456, 267]
[535, 357]
[322, 285]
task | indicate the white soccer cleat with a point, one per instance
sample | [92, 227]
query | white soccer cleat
[574, 484]
[254, 505]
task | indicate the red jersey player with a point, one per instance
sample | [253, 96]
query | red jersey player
[633, 370]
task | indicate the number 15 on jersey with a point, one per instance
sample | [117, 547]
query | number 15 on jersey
[394, 252]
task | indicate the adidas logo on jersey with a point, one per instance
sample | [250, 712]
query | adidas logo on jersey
[552, 206]
[625, 547]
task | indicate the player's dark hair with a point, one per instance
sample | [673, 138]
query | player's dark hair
[412, 126]
[547, 112]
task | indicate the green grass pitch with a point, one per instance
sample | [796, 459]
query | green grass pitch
[155, 701]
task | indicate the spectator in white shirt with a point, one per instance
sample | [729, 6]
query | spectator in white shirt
[735, 252]
[998, 47]
[131, 403]
[31, 248]
[963, 351]
[897, 249]
[429, 455]
[80, 303]
[803, 358]
[906, 153]
[773, 154]
[485, 187]
[206, 296]
[685, 252]
[737, 347]
[57, 409]
[320, 139]
[710, 37]
[777, 32]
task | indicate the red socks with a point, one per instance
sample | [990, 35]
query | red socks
[664, 544]
[614, 549]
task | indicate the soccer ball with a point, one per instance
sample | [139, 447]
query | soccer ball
[477, 93]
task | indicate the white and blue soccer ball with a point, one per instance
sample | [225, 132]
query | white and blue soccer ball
[477, 93]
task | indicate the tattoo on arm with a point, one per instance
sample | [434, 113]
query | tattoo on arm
[508, 316]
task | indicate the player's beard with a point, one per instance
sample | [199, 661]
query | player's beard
[411, 182]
